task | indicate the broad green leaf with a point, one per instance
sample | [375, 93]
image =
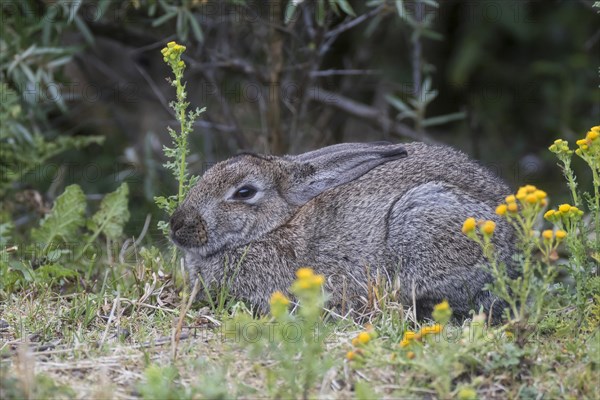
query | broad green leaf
[65, 218]
[112, 215]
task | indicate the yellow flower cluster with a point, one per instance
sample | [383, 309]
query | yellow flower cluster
[548, 234]
[360, 341]
[560, 146]
[527, 196]
[564, 211]
[307, 279]
[362, 338]
[486, 227]
[590, 141]
[411, 336]
[172, 54]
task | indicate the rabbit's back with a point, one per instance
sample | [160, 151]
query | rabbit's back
[404, 219]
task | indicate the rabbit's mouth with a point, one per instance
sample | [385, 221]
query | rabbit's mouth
[188, 231]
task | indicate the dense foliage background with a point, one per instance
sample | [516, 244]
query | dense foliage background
[85, 100]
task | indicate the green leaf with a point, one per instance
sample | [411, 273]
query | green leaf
[320, 12]
[161, 20]
[54, 271]
[5, 237]
[290, 10]
[398, 103]
[196, 29]
[443, 119]
[112, 215]
[65, 218]
[345, 6]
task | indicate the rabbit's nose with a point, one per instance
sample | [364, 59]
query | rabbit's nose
[188, 229]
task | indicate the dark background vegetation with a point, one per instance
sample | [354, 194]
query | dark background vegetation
[520, 73]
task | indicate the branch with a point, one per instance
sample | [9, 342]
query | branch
[369, 114]
[332, 35]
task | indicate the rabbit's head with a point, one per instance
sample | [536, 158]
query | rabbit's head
[241, 199]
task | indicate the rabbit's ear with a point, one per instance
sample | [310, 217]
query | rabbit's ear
[332, 166]
[336, 148]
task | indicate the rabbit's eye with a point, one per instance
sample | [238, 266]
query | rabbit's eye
[244, 193]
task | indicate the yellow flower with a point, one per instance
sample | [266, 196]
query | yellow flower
[409, 335]
[364, 338]
[404, 343]
[576, 211]
[350, 355]
[410, 355]
[592, 135]
[304, 284]
[547, 234]
[170, 45]
[531, 198]
[279, 298]
[355, 342]
[279, 303]
[549, 214]
[488, 227]
[564, 208]
[511, 198]
[304, 273]
[540, 194]
[560, 234]
[581, 142]
[513, 207]
[431, 330]
[521, 194]
[443, 306]
[469, 225]
[318, 280]
[501, 209]
[529, 188]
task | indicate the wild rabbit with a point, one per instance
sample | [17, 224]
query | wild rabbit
[349, 211]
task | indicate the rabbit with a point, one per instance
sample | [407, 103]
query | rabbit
[349, 211]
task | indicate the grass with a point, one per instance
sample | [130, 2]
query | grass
[67, 346]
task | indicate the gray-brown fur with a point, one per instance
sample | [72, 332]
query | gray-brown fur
[350, 212]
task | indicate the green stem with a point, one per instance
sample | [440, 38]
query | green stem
[596, 179]
[181, 106]
[568, 173]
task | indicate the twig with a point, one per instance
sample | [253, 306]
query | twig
[184, 310]
[335, 72]
[332, 35]
[110, 318]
